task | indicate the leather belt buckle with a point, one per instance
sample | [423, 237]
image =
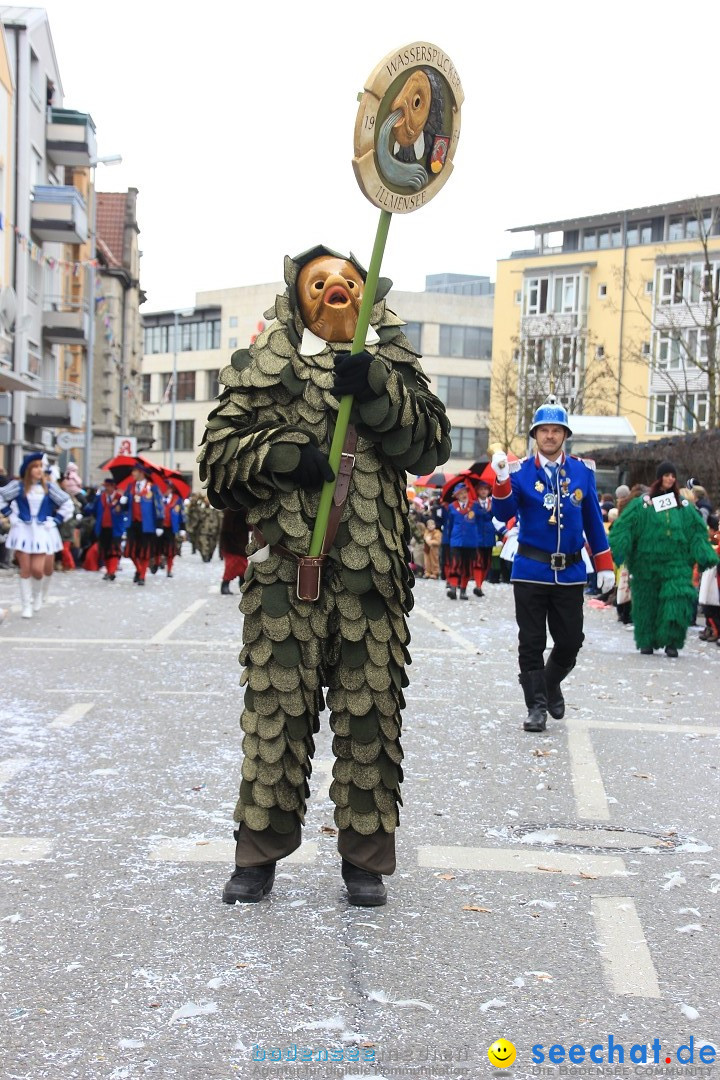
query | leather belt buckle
[557, 560]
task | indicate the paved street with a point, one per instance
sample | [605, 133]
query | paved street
[552, 889]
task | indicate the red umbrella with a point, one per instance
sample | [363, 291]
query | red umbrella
[436, 479]
[178, 481]
[120, 467]
[156, 473]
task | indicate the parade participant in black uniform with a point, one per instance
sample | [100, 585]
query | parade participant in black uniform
[555, 496]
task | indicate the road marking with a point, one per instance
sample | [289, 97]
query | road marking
[627, 725]
[590, 797]
[71, 715]
[189, 693]
[465, 643]
[169, 630]
[23, 848]
[519, 861]
[220, 851]
[321, 780]
[11, 767]
[626, 959]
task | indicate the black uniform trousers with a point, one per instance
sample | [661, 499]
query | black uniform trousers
[557, 608]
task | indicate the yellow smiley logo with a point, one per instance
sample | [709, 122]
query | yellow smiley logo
[501, 1053]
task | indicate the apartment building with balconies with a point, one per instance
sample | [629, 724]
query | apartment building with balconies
[450, 323]
[615, 313]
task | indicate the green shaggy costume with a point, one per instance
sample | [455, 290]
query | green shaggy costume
[660, 550]
[354, 639]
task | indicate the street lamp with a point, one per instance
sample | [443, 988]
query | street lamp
[111, 159]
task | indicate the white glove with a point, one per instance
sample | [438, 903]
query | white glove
[50, 523]
[78, 517]
[123, 500]
[500, 465]
[182, 534]
[159, 532]
[605, 581]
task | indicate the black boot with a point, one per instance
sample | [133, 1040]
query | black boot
[463, 594]
[363, 888]
[225, 589]
[451, 592]
[554, 675]
[533, 684]
[249, 884]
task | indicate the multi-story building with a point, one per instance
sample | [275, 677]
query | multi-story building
[617, 314]
[450, 323]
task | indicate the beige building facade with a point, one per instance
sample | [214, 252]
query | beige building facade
[452, 329]
[616, 314]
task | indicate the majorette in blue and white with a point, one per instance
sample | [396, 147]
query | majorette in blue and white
[34, 515]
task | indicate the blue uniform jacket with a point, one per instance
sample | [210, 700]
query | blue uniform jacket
[120, 515]
[463, 531]
[177, 519]
[529, 494]
[151, 506]
[56, 503]
[485, 527]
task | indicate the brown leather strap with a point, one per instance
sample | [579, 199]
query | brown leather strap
[347, 462]
[309, 568]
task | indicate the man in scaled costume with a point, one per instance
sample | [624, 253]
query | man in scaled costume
[554, 496]
[660, 537]
[266, 449]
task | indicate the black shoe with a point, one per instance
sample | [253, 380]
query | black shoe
[535, 693]
[110, 577]
[477, 591]
[141, 581]
[154, 569]
[363, 888]
[554, 675]
[249, 884]
[451, 592]
[225, 589]
[670, 651]
[169, 573]
[647, 652]
[137, 577]
[464, 595]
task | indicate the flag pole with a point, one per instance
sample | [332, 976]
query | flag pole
[343, 417]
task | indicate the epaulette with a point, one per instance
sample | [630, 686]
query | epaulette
[514, 466]
[585, 460]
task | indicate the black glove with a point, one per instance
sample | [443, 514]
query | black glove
[351, 376]
[312, 470]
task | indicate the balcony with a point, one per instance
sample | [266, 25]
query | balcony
[9, 378]
[552, 325]
[70, 137]
[58, 215]
[65, 323]
[56, 405]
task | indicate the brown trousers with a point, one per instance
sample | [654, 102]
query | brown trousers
[375, 853]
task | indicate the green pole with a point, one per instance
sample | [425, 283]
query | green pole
[343, 418]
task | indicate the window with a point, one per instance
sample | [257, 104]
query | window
[675, 412]
[232, 321]
[639, 232]
[413, 332]
[566, 291]
[518, 296]
[471, 342]
[610, 236]
[35, 275]
[458, 392]
[669, 351]
[600, 352]
[536, 293]
[704, 282]
[185, 386]
[213, 383]
[469, 442]
[602, 292]
[184, 434]
[156, 339]
[671, 280]
[232, 343]
[36, 80]
[146, 385]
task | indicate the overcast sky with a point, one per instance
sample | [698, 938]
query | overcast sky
[235, 122]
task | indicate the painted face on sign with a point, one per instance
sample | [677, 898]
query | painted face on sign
[414, 104]
[330, 291]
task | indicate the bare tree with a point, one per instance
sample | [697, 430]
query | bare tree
[504, 402]
[683, 355]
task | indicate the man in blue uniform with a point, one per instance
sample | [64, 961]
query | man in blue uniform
[555, 498]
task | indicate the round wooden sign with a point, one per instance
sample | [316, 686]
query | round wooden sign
[407, 128]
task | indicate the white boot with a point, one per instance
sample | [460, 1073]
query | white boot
[26, 597]
[37, 584]
[46, 587]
